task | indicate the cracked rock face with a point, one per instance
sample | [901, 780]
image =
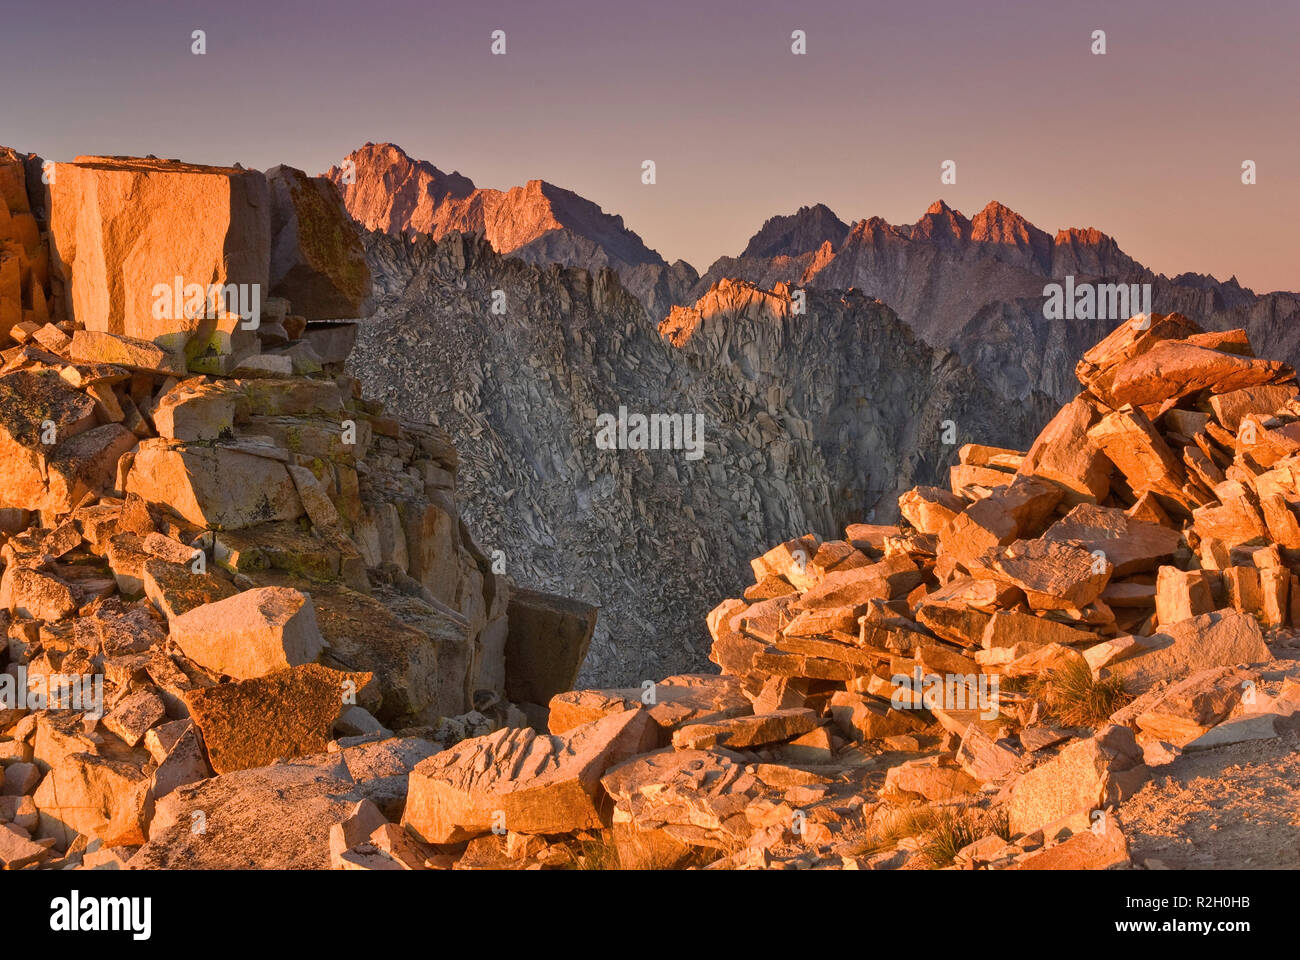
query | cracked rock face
[810, 421]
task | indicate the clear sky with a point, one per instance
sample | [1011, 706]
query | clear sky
[1145, 142]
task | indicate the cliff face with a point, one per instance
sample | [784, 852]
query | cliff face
[25, 292]
[810, 420]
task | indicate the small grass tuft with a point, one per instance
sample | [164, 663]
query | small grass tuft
[950, 831]
[1075, 699]
[899, 824]
[596, 854]
[998, 822]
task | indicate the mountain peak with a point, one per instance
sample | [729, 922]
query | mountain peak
[539, 222]
[940, 223]
[798, 233]
[998, 223]
[996, 211]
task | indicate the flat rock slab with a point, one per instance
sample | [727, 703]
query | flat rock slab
[1259, 726]
[671, 801]
[1230, 408]
[30, 593]
[1040, 738]
[176, 589]
[930, 509]
[678, 700]
[95, 796]
[214, 486]
[1085, 775]
[1018, 510]
[16, 850]
[382, 769]
[290, 713]
[1101, 850]
[1189, 708]
[1174, 368]
[1012, 628]
[1096, 370]
[933, 778]
[741, 732]
[1062, 454]
[842, 588]
[144, 356]
[185, 762]
[250, 634]
[134, 715]
[1130, 545]
[1053, 575]
[520, 780]
[269, 818]
[1219, 639]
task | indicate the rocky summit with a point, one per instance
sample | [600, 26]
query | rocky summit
[252, 622]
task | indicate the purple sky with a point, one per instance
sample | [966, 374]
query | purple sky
[1145, 143]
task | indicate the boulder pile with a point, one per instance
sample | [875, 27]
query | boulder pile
[981, 685]
[225, 576]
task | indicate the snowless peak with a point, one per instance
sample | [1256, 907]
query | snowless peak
[539, 221]
[801, 232]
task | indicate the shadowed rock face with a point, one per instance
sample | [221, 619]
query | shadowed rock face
[316, 258]
[805, 230]
[810, 421]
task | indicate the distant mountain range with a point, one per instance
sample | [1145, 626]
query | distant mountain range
[976, 286]
[813, 418]
[973, 285]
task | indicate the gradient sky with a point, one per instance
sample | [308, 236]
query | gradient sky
[1145, 143]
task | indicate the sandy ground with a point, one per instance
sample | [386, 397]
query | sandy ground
[1234, 807]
